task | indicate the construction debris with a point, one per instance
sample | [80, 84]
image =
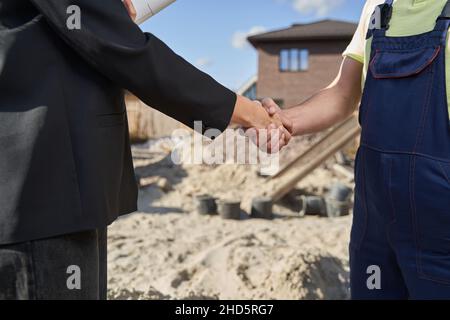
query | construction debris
[167, 251]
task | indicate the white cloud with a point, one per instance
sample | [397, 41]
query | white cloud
[203, 62]
[316, 7]
[239, 39]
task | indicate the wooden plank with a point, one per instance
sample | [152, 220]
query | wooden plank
[285, 180]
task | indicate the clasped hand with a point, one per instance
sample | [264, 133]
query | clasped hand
[271, 129]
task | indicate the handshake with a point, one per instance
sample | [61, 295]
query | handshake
[267, 126]
[270, 129]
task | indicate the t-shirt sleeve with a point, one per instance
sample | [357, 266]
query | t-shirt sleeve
[356, 48]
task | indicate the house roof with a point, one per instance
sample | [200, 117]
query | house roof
[320, 30]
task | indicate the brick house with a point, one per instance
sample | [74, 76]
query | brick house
[296, 62]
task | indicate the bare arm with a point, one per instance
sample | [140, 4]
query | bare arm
[329, 106]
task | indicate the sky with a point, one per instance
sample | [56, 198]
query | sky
[211, 33]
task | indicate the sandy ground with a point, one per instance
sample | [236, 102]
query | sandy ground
[167, 251]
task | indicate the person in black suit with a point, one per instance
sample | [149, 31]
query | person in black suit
[66, 169]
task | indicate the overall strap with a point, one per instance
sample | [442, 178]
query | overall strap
[380, 19]
[445, 12]
[443, 21]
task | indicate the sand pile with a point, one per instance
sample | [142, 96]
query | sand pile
[183, 256]
[169, 252]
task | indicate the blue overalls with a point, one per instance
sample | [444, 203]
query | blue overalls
[400, 242]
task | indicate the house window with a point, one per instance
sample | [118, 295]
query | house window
[294, 60]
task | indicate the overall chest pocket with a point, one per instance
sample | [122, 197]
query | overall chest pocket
[402, 64]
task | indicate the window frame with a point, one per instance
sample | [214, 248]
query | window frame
[299, 55]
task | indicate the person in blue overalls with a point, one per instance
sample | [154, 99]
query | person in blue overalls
[400, 241]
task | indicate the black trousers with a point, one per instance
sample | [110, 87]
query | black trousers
[69, 267]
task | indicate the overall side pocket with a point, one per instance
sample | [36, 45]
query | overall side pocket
[431, 208]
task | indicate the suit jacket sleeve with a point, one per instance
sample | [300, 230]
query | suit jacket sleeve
[111, 42]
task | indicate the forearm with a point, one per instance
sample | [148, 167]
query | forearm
[331, 105]
[322, 111]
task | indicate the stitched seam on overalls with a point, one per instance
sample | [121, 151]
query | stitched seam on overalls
[407, 47]
[377, 51]
[406, 153]
[412, 182]
[445, 173]
[437, 280]
[425, 109]
[368, 107]
[366, 123]
[409, 50]
[391, 199]
[412, 166]
[364, 200]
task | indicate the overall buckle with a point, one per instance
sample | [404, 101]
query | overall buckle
[386, 15]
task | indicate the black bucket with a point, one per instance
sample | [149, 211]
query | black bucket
[262, 208]
[313, 206]
[337, 209]
[206, 205]
[338, 201]
[340, 192]
[230, 210]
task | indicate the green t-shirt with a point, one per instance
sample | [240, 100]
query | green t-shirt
[410, 17]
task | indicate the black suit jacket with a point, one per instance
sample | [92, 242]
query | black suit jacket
[65, 160]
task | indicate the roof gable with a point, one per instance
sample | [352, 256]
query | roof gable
[320, 30]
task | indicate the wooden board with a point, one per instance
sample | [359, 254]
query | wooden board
[286, 180]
